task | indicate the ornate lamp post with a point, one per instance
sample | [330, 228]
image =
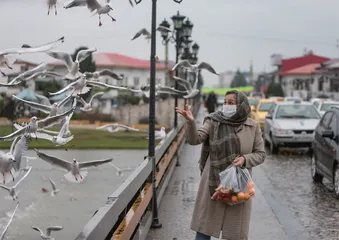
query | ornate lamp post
[151, 143]
[181, 31]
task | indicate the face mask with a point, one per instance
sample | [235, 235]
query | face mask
[229, 110]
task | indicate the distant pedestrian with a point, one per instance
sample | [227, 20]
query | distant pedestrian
[228, 137]
[211, 102]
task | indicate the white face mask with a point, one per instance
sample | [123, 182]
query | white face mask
[229, 110]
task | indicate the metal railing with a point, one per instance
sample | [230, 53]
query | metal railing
[127, 212]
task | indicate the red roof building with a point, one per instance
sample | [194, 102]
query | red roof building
[307, 60]
[307, 69]
[115, 60]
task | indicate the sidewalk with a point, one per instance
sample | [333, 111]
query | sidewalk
[178, 202]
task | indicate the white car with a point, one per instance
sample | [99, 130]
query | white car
[292, 99]
[290, 124]
[323, 106]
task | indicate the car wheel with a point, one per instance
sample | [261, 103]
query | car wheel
[317, 178]
[274, 148]
[336, 181]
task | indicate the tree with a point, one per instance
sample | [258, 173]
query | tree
[238, 80]
[274, 89]
[87, 65]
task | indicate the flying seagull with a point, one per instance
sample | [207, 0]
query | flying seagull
[194, 67]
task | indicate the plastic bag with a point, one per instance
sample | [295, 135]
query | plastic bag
[236, 186]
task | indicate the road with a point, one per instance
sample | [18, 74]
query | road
[288, 205]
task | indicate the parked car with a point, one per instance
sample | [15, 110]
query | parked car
[292, 99]
[253, 102]
[277, 99]
[325, 146]
[259, 113]
[323, 106]
[290, 124]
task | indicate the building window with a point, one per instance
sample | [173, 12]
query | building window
[136, 81]
[148, 81]
[158, 80]
[126, 81]
[320, 84]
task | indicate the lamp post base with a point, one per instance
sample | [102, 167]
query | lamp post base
[156, 224]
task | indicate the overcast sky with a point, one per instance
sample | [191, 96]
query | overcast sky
[230, 32]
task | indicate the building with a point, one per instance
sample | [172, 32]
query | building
[225, 78]
[302, 76]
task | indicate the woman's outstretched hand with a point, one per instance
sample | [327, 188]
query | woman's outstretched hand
[187, 114]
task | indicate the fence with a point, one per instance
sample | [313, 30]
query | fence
[127, 212]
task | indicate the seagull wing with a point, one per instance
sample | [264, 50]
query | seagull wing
[38, 229]
[5, 187]
[66, 99]
[64, 89]
[95, 95]
[52, 183]
[184, 82]
[9, 222]
[49, 131]
[13, 135]
[93, 5]
[28, 49]
[11, 150]
[100, 84]
[54, 160]
[164, 29]
[83, 54]
[53, 228]
[21, 179]
[128, 128]
[106, 126]
[94, 163]
[43, 136]
[44, 123]
[40, 107]
[111, 74]
[184, 63]
[30, 73]
[62, 56]
[74, 3]
[192, 94]
[64, 127]
[208, 67]
[20, 148]
[142, 31]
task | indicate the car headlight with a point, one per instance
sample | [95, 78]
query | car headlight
[283, 132]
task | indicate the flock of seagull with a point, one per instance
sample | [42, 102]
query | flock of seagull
[11, 167]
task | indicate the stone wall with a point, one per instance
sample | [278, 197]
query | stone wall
[164, 112]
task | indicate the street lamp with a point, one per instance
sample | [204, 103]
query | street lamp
[195, 48]
[151, 121]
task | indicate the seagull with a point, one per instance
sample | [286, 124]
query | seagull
[2, 237]
[148, 35]
[55, 190]
[67, 132]
[115, 127]
[195, 67]
[79, 87]
[12, 190]
[10, 84]
[51, 110]
[104, 85]
[52, 3]
[191, 90]
[73, 67]
[58, 140]
[159, 135]
[96, 8]
[29, 49]
[6, 165]
[119, 171]
[49, 230]
[36, 124]
[74, 167]
[104, 72]
[87, 106]
[27, 166]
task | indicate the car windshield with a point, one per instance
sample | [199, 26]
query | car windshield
[253, 102]
[327, 106]
[265, 106]
[297, 111]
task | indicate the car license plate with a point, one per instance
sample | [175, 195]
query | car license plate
[302, 137]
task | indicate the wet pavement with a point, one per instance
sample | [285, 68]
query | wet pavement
[287, 205]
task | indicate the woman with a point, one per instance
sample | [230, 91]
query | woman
[228, 137]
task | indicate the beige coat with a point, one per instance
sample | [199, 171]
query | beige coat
[210, 216]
